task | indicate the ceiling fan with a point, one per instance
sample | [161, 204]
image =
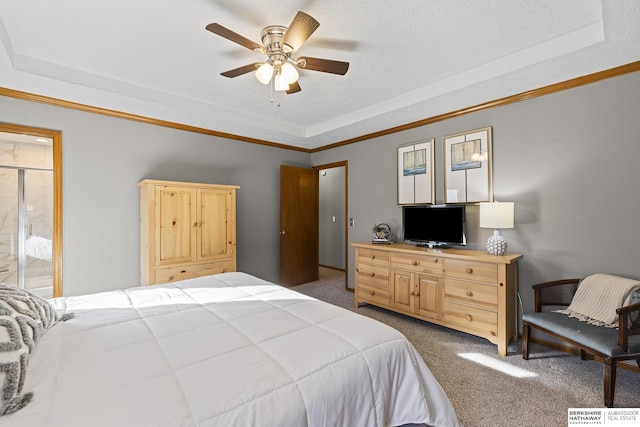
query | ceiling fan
[279, 44]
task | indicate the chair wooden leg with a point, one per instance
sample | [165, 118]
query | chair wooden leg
[526, 334]
[609, 368]
[583, 355]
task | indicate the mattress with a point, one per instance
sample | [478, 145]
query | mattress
[224, 350]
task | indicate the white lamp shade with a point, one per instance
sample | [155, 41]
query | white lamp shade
[289, 73]
[264, 73]
[280, 83]
[496, 215]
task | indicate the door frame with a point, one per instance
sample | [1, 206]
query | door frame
[345, 164]
[56, 137]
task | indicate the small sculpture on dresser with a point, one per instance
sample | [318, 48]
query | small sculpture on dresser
[381, 234]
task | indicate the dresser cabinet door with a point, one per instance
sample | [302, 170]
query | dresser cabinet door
[403, 291]
[429, 296]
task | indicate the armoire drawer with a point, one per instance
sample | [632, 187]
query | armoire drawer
[172, 274]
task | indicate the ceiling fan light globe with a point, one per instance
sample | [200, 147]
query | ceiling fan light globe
[264, 73]
[280, 83]
[289, 73]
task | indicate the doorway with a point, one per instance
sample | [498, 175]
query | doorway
[332, 218]
[30, 235]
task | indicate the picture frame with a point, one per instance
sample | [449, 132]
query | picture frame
[416, 183]
[468, 174]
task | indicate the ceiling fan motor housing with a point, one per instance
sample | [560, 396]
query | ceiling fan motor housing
[272, 40]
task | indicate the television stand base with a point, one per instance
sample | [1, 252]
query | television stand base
[432, 245]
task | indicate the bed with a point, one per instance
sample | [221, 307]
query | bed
[223, 350]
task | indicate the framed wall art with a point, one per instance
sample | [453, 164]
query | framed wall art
[416, 173]
[467, 167]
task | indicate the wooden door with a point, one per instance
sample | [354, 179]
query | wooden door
[214, 224]
[299, 240]
[175, 219]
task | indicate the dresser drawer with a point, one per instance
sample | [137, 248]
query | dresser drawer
[374, 275]
[418, 263]
[484, 322]
[373, 294]
[173, 274]
[472, 270]
[372, 256]
[474, 293]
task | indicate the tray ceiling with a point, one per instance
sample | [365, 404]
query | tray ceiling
[409, 60]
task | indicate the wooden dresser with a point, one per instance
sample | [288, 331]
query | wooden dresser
[186, 230]
[467, 290]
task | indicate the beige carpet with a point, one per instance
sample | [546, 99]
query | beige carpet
[485, 388]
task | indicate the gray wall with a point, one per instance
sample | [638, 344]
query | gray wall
[104, 158]
[332, 217]
[569, 162]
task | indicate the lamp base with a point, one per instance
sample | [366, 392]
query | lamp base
[496, 245]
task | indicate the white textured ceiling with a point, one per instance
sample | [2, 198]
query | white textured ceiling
[409, 59]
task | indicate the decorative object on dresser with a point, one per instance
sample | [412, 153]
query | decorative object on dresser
[186, 230]
[467, 167]
[496, 215]
[462, 289]
[381, 234]
[416, 173]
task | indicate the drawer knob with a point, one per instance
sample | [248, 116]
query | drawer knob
[372, 274]
[415, 262]
[469, 318]
[469, 270]
[469, 293]
[372, 293]
[373, 257]
[183, 271]
[437, 259]
[413, 293]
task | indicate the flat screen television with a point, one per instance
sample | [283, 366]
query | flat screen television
[435, 225]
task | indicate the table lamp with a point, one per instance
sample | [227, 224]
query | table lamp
[496, 215]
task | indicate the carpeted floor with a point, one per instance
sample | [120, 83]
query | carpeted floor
[485, 388]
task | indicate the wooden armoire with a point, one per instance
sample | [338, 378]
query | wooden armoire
[186, 230]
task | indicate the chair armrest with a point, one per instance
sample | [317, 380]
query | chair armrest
[628, 324]
[556, 292]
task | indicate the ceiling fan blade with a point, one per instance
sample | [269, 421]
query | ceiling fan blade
[294, 88]
[301, 28]
[324, 65]
[234, 37]
[241, 70]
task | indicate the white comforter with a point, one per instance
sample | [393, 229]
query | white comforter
[225, 350]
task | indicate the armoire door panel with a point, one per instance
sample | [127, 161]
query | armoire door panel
[176, 212]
